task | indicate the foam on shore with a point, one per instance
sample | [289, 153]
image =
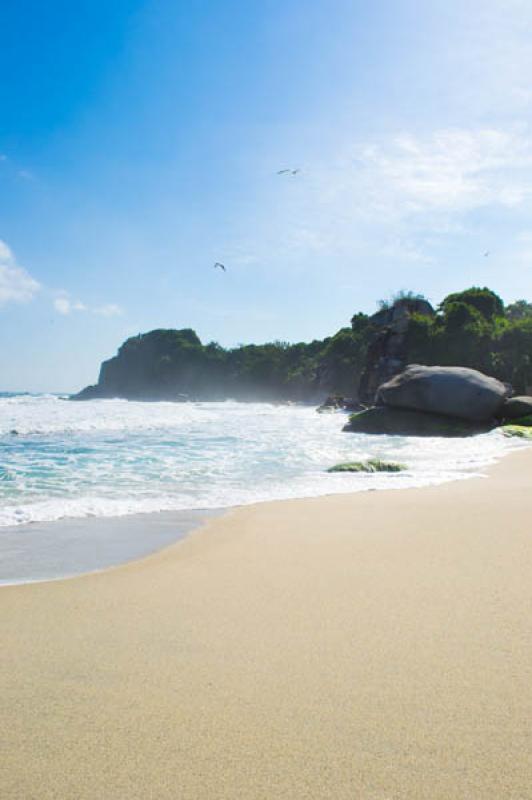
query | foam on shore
[110, 458]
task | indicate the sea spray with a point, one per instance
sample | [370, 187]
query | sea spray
[107, 458]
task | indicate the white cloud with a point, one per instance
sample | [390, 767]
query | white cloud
[16, 285]
[62, 305]
[65, 306]
[109, 310]
[401, 196]
[404, 193]
[451, 171]
[5, 252]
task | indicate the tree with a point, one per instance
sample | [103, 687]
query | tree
[521, 309]
[484, 300]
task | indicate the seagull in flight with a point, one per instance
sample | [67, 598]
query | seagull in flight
[219, 266]
[288, 171]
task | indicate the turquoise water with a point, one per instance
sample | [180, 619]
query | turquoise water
[105, 458]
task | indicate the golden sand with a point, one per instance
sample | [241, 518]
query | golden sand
[374, 646]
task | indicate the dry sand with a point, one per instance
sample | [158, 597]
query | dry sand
[373, 646]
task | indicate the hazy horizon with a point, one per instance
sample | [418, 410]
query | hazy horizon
[141, 143]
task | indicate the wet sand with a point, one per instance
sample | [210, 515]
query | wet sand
[375, 646]
[44, 551]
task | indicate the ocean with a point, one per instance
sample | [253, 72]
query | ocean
[103, 458]
[108, 459]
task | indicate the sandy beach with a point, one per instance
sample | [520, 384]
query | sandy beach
[375, 646]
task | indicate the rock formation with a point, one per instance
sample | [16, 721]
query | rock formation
[451, 391]
[406, 422]
[517, 407]
[387, 352]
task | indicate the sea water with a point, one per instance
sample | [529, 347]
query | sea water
[108, 458]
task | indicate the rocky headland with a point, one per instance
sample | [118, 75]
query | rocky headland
[409, 368]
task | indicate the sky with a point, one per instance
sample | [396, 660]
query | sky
[140, 142]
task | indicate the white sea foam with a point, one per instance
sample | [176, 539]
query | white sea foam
[106, 458]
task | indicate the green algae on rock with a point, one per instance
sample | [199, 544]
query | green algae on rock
[521, 431]
[525, 422]
[371, 465]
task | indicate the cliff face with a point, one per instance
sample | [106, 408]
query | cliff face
[175, 365]
[388, 346]
[159, 364]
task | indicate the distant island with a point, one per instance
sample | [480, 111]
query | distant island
[472, 328]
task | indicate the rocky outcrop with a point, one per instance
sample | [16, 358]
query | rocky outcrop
[92, 392]
[371, 465]
[404, 422]
[457, 392]
[516, 407]
[337, 402]
[387, 350]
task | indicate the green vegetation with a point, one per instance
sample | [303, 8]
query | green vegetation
[518, 310]
[402, 294]
[470, 328]
[521, 431]
[372, 465]
[524, 421]
[165, 363]
[486, 302]
[473, 329]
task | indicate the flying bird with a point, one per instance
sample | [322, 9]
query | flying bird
[288, 171]
[219, 266]
[486, 254]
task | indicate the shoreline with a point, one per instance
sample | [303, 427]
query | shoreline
[56, 547]
[374, 645]
[72, 547]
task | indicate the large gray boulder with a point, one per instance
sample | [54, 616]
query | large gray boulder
[405, 422]
[517, 407]
[452, 391]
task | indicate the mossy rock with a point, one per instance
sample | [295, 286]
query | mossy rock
[520, 431]
[404, 422]
[371, 465]
[525, 422]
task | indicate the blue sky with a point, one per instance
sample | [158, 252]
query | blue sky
[140, 143]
